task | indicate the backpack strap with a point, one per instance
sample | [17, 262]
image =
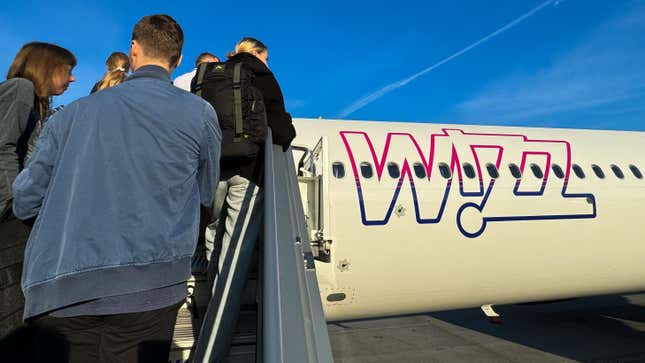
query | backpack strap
[201, 71]
[237, 96]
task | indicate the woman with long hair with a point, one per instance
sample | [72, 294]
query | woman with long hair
[118, 65]
[47, 67]
[38, 72]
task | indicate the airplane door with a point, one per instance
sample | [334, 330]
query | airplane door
[313, 180]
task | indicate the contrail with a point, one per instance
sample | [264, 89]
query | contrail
[366, 100]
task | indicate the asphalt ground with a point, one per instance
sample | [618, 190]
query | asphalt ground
[595, 329]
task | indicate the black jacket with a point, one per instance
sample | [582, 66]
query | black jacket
[95, 87]
[278, 118]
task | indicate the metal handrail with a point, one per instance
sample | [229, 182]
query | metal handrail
[293, 324]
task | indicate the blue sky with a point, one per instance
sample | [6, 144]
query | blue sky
[573, 63]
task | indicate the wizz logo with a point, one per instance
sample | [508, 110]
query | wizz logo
[456, 148]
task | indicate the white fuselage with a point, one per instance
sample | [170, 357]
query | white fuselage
[417, 240]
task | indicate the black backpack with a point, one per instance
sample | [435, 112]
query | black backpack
[228, 87]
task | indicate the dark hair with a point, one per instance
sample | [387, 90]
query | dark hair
[160, 38]
[38, 62]
[201, 57]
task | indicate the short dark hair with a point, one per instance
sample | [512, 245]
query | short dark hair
[160, 37]
[201, 57]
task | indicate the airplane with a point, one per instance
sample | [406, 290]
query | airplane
[419, 217]
[407, 218]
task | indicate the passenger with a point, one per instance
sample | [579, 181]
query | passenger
[38, 72]
[118, 66]
[200, 259]
[107, 262]
[184, 80]
[239, 197]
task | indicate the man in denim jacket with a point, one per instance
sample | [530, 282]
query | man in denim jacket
[116, 182]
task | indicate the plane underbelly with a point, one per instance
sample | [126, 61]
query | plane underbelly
[407, 267]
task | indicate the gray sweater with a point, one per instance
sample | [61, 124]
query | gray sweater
[18, 118]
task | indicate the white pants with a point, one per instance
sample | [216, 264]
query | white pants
[236, 198]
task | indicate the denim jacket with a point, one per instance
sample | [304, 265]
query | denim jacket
[116, 181]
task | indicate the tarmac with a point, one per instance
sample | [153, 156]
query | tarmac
[595, 329]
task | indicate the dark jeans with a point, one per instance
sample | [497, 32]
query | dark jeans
[13, 238]
[133, 337]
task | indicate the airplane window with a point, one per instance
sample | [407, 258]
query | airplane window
[599, 173]
[617, 171]
[338, 169]
[492, 171]
[419, 170]
[637, 173]
[557, 170]
[537, 171]
[444, 169]
[578, 170]
[469, 170]
[366, 170]
[515, 171]
[393, 169]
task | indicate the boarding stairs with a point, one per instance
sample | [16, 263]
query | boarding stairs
[281, 317]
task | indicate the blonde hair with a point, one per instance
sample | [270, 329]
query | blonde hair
[202, 57]
[118, 65]
[38, 62]
[248, 45]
